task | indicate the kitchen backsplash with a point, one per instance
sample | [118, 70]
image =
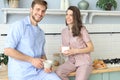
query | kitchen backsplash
[105, 37]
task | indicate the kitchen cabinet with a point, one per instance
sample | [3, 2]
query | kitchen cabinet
[103, 76]
[112, 73]
[114, 76]
[95, 77]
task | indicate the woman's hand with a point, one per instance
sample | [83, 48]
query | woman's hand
[70, 52]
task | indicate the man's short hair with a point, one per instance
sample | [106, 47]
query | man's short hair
[41, 2]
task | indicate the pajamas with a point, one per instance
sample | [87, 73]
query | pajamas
[29, 40]
[41, 76]
[80, 62]
[82, 72]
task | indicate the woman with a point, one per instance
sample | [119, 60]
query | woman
[77, 38]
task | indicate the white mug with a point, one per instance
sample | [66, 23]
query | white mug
[48, 63]
[64, 48]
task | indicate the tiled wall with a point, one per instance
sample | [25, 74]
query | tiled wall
[106, 42]
[3, 30]
[106, 45]
[53, 43]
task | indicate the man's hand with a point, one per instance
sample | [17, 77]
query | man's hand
[48, 70]
[37, 62]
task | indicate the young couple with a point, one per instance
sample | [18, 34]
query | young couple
[25, 47]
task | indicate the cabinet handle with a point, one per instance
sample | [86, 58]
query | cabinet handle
[3, 34]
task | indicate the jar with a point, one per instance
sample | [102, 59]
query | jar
[13, 3]
[83, 5]
[66, 4]
[58, 59]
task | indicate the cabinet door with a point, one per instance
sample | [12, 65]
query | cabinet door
[96, 77]
[72, 78]
[114, 76]
[92, 77]
[105, 76]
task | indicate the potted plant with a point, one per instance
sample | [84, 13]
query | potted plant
[3, 59]
[106, 4]
[3, 62]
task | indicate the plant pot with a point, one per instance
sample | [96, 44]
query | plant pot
[3, 67]
[109, 7]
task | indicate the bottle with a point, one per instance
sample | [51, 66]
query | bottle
[62, 4]
[6, 3]
[66, 4]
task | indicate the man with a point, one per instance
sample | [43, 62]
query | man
[25, 47]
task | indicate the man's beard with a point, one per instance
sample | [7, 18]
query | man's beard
[35, 19]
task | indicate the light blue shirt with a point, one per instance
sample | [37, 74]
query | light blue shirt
[29, 40]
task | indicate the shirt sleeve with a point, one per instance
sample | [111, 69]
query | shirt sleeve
[85, 34]
[65, 37]
[43, 50]
[13, 36]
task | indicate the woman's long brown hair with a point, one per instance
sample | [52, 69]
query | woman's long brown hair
[77, 22]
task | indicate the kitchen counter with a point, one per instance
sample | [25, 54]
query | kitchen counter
[96, 71]
[3, 73]
[112, 69]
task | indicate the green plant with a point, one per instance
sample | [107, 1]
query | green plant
[3, 59]
[106, 4]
